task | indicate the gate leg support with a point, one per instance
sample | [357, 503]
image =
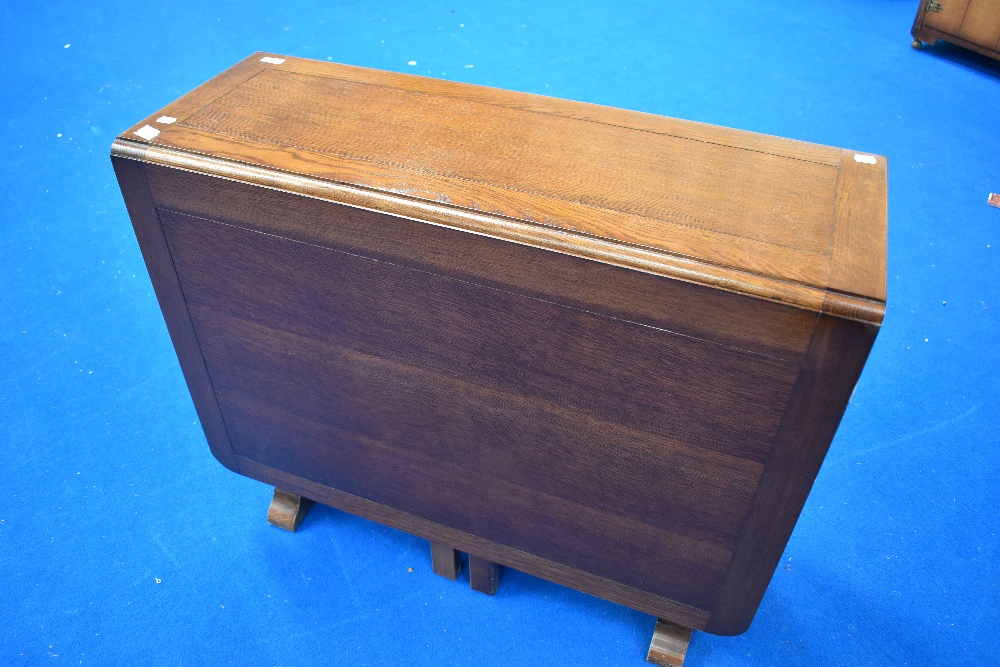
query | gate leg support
[669, 644]
[287, 510]
[445, 561]
[484, 575]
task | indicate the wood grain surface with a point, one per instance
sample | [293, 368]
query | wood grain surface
[573, 414]
[723, 199]
[135, 189]
[725, 318]
[982, 23]
[603, 347]
[516, 157]
[971, 24]
[950, 17]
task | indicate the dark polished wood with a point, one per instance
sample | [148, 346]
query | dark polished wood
[606, 348]
[445, 561]
[669, 644]
[484, 575]
[971, 24]
[287, 510]
[134, 185]
[556, 572]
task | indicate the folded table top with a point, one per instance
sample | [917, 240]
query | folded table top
[785, 220]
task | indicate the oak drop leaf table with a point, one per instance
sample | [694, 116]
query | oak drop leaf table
[603, 347]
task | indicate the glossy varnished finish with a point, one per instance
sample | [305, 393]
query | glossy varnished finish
[606, 348]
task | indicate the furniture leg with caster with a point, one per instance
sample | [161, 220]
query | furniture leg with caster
[971, 24]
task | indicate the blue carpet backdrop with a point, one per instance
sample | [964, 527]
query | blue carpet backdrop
[123, 542]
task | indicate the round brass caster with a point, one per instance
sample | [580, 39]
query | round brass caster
[917, 44]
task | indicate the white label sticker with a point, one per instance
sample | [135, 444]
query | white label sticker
[867, 159]
[272, 61]
[147, 132]
[166, 120]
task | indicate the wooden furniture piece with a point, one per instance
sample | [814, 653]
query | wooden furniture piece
[973, 24]
[606, 348]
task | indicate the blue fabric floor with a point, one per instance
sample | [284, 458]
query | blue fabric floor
[123, 542]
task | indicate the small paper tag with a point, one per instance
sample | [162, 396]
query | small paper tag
[866, 159]
[147, 132]
[993, 199]
[272, 61]
[166, 120]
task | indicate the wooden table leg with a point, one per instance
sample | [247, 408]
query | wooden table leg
[669, 644]
[484, 575]
[445, 561]
[287, 510]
